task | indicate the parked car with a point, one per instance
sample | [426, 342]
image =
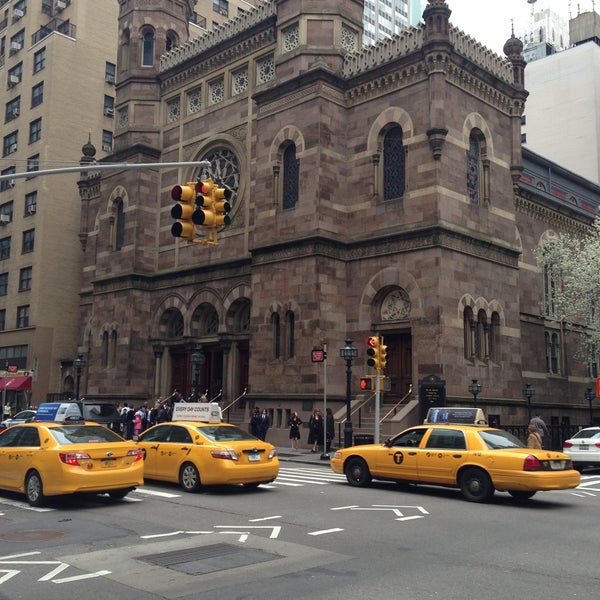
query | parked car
[24, 416]
[60, 453]
[584, 448]
[100, 411]
[476, 459]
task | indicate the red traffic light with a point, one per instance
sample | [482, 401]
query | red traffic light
[372, 341]
[366, 383]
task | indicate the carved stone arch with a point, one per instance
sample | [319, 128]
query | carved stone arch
[394, 115]
[466, 301]
[382, 282]
[205, 304]
[474, 121]
[240, 291]
[494, 306]
[284, 136]
[273, 308]
[173, 302]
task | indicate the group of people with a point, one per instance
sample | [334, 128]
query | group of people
[319, 430]
[537, 430]
[133, 421]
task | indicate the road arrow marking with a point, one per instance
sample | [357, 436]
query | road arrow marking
[8, 573]
[275, 529]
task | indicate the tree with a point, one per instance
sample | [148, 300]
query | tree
[571, 267]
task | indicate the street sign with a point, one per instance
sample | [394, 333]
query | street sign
[318, 355]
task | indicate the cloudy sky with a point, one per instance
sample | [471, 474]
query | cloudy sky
[489, 21]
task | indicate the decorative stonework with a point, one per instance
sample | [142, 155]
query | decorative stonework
[395, 306]
[265, 69]
[123, 117]
[290, 38]
[239, 81]
[194, 101]
[349, 40]
[173, 111]
[216, 91]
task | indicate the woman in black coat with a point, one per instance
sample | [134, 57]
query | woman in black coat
[315, 429]
[294, 424]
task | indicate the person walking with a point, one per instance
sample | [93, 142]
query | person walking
[294, 424]
[315, 429]
[329, 428]
[264, 424]
[534, 439]
[541, 428]
[255, 422]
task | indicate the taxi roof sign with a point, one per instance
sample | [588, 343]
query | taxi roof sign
[205, 412]
[456, 415]
[58, 412]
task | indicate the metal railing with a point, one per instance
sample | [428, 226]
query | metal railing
[233, 402]
[394, 409]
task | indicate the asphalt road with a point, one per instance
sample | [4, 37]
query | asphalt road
[307, 535]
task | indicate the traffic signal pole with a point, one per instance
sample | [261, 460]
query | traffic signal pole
[377, 408]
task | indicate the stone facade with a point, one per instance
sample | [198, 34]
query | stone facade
[406, 160]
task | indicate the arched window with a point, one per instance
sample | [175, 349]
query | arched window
[549, 291]
[289, 334]
[474, 170]
[552, 352]
[120, 226]
[394, 164]
[171, 41]
[113, 349]
[482, 336]
[291, 176]
[469, 333]
[276, 332]
[105, 350]
[494, 338]
[124, 50]
[147, 48]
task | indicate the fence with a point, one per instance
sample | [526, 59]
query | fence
[558, 434]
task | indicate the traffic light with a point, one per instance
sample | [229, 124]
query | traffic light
[366, 383]
[207, 215]
[221, 206]
[377, 353]
[184, 211]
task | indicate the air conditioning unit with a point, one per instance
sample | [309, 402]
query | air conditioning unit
[17, 13]
[4, 219]
[223, 11]
[31, 210]
[14, 113]
[106, 148]
[11, 183]
[16, 46]
[109, 78]
[13, 79]
[109, 112]
[13, 148]
[60, 5]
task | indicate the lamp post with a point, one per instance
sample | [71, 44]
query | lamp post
[528, 392]
[348, 353]
[475, 389]
[197, 359]
[79, 364]
[589, 396]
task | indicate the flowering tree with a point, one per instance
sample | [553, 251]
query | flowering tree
[572, 285]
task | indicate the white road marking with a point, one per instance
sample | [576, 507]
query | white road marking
[265, 518]
[324, 531]
[151, 492]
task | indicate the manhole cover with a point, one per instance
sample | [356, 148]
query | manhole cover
[208, 559]
[31, 536]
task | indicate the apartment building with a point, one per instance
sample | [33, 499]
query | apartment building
[57, 90]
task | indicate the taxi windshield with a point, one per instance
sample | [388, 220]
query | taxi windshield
[220, 433]
[83, 434]
[496, 439]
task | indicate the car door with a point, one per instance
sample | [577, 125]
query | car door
[151, 442]
[398, 458]
[444, 451]
[17, 450]
[173, 452]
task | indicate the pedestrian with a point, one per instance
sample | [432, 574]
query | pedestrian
[255, 422]
[294, 424]
[264, 424]
[329, 428]
[534, 439]
[315, 430]
[137, 423]
[541, 427]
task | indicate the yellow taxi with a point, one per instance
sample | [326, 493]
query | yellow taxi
[197, 449]
[60, 453]
[477, 459]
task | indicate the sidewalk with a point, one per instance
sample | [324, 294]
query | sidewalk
[303, 455]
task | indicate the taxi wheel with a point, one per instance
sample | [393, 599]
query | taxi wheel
[189, 478]
[519, 495]
[357, 472]
[34, 489]
[118, 494]
[476, 485]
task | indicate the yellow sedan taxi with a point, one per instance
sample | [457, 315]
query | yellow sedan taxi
[196, 450]
[474, 458]
[60, 453]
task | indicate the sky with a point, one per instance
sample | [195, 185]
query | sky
[489, 21]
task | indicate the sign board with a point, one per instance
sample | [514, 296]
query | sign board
[317, 355]
[206, 412]
[464, 416]
[59, 412]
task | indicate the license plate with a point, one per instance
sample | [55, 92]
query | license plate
[254, 457]
[107, 463]
[584, 447]
[557, 465]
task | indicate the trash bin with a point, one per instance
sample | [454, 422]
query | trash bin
[364, 438]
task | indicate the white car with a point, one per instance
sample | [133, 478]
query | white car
[21, 417]
[584, 448]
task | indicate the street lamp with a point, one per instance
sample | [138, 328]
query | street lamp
[79, 363]
[528, 392]
[589, 396]
[348, 353]
[197, 359]
[475, 389]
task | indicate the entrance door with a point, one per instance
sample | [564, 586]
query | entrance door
[399, 370]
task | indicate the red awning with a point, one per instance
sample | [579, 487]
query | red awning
[22, 383]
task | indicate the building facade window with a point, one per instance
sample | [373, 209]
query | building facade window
[221, 7]
[3, 284]
[290, 333]
[5, 248]
[35, 130]
[10, 143]
[481, 336]
[147, 48]
[194, 101]
[14, 355]
[120, 226]
[216, 91]
[265, 69]
[22, 316]
[478, 179]
[110, 72]
[28, 241]
[552, 342]
[7, 184]
[31, 203]
[107, 140]
[33, 163]
[394, 164]
[6, 211]
[39, 60]
[2, 319]
[37, 94]
[276, 335]
[25, 276]
[13, 109]
[291, 177]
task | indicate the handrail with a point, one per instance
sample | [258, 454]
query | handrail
[217, 396]
[234, 401]
[358, 407]
[393, 409]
